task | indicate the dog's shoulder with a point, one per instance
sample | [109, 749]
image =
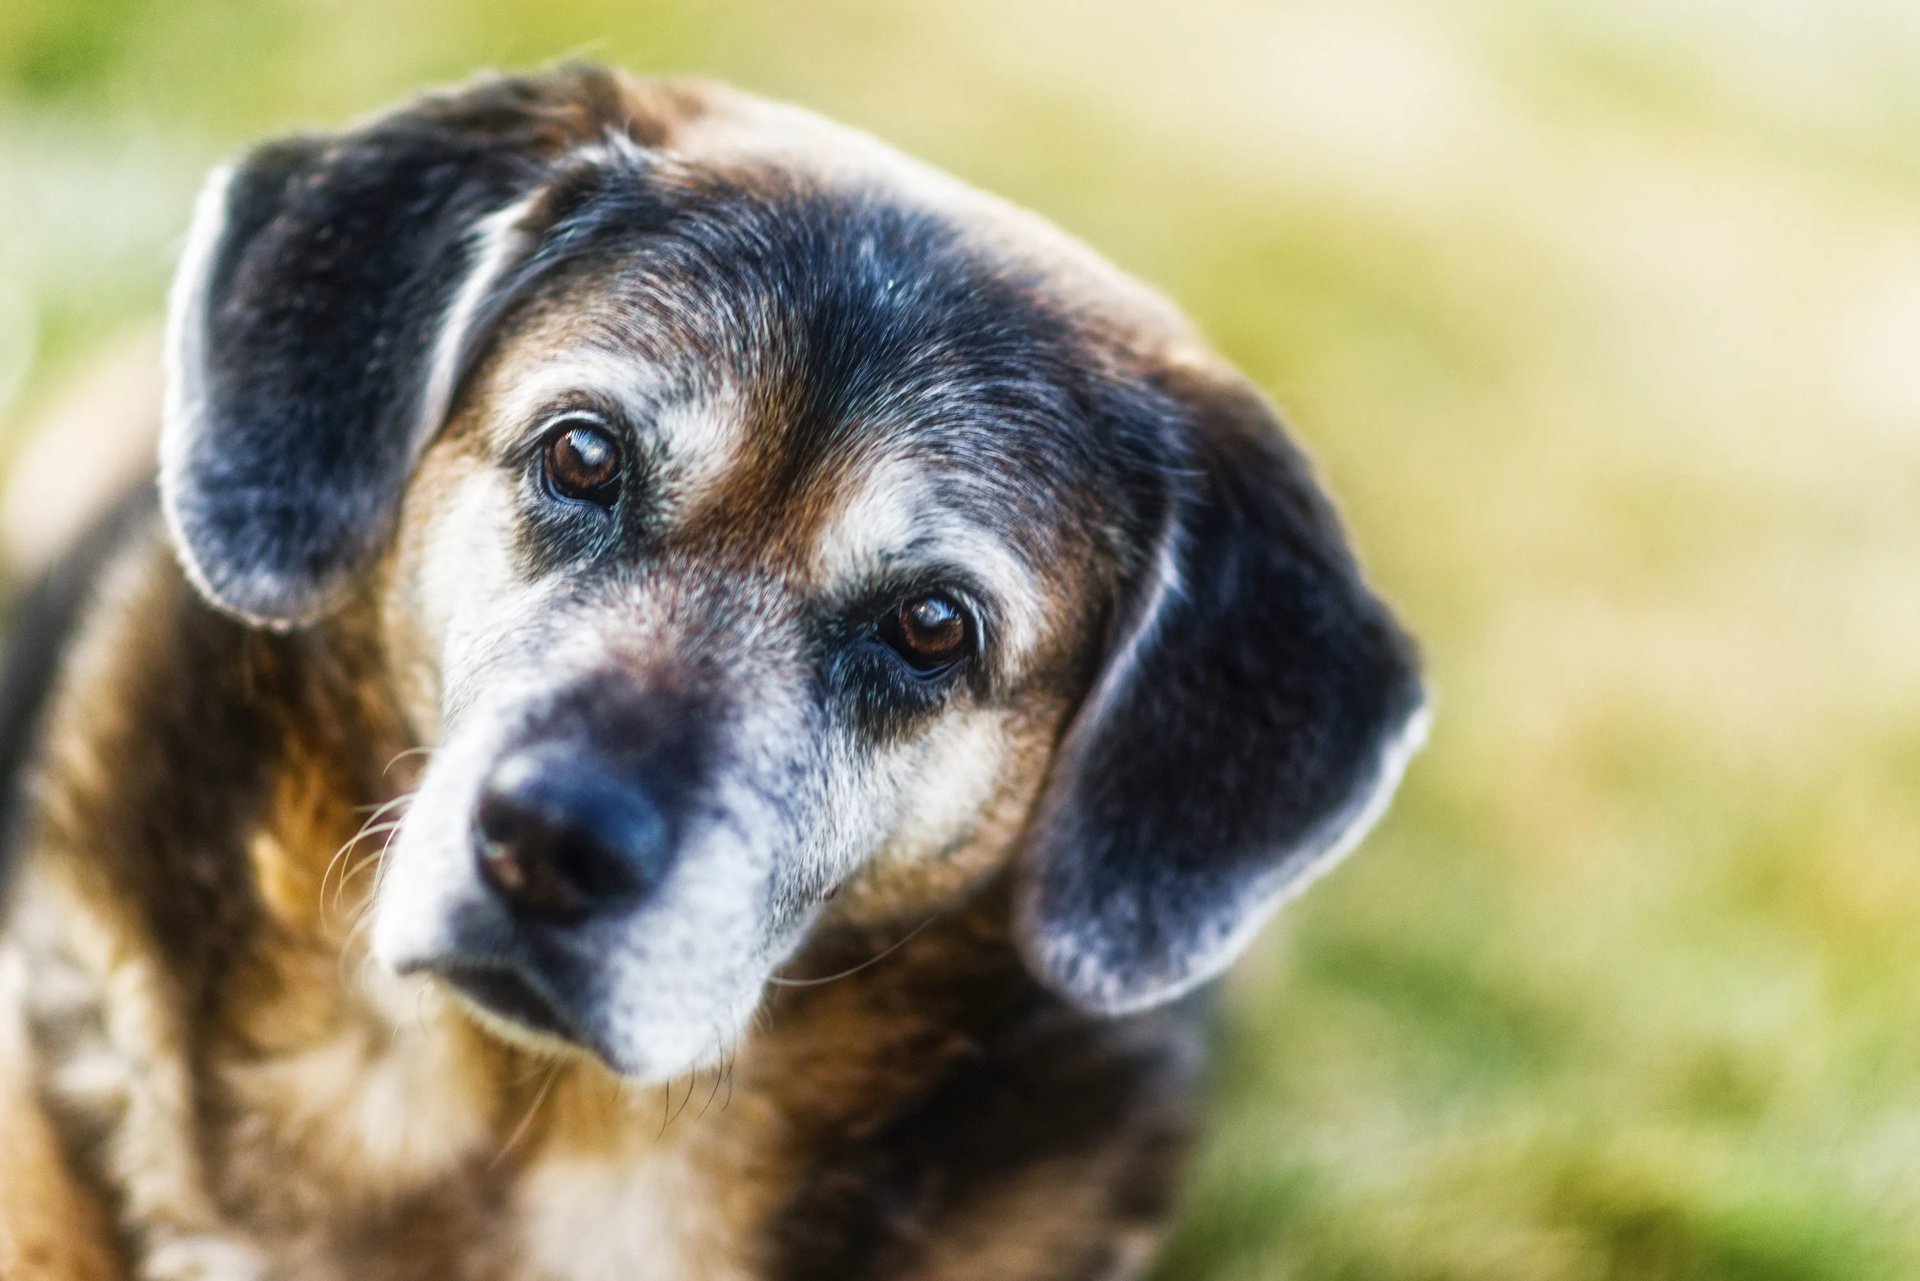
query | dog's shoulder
[55, 1223]
[42, 619]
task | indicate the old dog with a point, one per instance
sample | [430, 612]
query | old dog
[698, 700]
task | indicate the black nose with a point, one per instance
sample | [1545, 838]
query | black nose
[561, 836]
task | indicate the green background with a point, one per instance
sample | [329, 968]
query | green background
[1603, 320]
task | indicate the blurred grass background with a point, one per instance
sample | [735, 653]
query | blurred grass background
[1603, 318]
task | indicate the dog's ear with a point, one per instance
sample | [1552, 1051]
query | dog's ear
[331, 290]
[1256, 709]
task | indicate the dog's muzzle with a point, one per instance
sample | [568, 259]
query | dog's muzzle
[568, 843]
[553, 880]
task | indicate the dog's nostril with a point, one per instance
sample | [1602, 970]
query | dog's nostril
[518, 860]
[560, 838]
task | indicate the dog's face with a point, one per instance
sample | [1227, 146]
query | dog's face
[762, 529]
[731, 581]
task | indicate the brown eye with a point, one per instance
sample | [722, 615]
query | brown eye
[930, 632]
[582, 462]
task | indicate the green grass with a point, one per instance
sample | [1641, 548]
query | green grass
[1604, 321]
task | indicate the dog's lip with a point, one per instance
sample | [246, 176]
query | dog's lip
[506, 995]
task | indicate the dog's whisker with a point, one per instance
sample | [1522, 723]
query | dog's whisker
[384, 806]
[333, 863]
[380, 873]
[401, 756]
[691, 1077]
[420, 995]
[354, 873]
[526, 1122]
[871, 961]
[363, 912]
[363, 915]
[359, 866]
[349, 946]
[535, 1066]
[719, 1058]
[372, 826]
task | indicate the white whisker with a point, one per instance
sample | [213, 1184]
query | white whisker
[871, 961]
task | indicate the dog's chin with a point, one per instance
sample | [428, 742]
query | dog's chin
[521, 1035]
[508, 1008]
[513, 1010]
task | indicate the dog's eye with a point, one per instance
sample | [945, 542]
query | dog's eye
[582, 462]
[930, 632]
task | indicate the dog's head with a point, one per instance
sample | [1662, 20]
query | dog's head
[750, 513]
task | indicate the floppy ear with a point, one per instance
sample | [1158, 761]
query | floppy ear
[1252, 720]
[331, 289]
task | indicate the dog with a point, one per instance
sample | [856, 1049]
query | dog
[697, 700]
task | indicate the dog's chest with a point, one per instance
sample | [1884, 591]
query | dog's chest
[366, 1132]
[580, 1181]
[654, 1218]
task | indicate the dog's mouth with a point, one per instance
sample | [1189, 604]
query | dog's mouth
[503, 997]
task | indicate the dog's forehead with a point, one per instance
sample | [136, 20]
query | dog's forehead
[707, 127]
[850, 381]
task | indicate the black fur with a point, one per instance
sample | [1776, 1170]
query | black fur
[1243, 731]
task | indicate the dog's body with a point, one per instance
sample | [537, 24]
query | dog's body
[849, 665]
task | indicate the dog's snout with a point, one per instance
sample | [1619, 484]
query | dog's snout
[561, 837]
